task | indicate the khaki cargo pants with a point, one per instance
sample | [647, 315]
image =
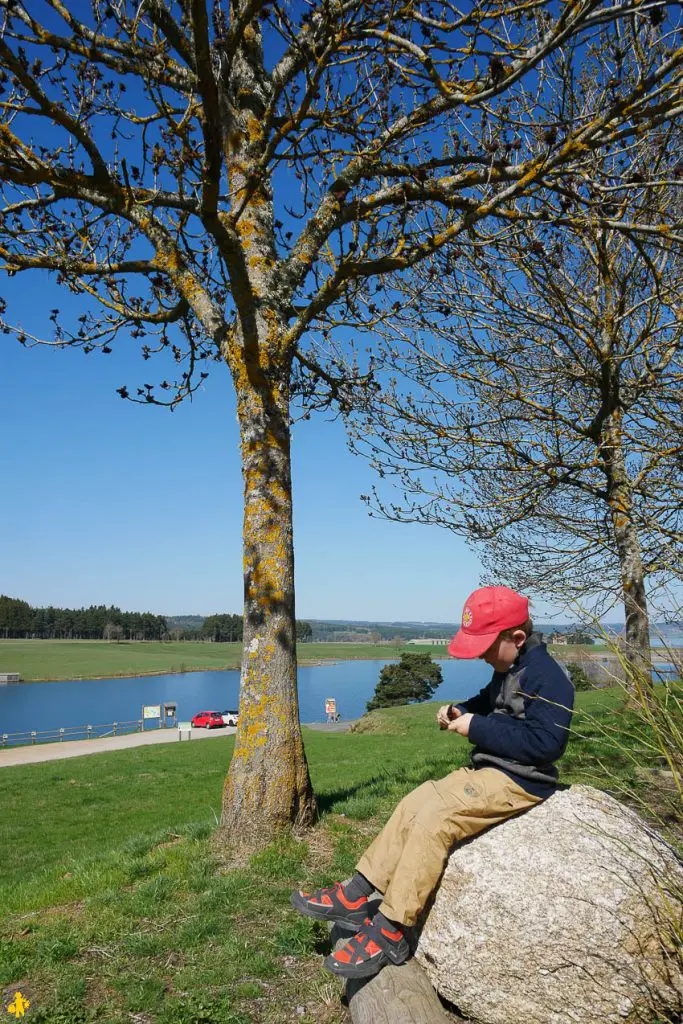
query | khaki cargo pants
[407, 858]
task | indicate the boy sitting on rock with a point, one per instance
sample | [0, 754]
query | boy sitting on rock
[519, 726]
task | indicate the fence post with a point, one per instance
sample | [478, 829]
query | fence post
[115, 724]
[61, 735]
[4, 739]
[33, 737]
[89, 732]
[141, 724]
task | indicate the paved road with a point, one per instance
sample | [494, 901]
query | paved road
[80, 748]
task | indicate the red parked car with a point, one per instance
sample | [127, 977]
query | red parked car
[208, 720]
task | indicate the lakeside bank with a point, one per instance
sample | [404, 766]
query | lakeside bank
[66, 660]
[302, 662]
[49, 661]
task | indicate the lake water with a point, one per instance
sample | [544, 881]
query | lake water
[50, 706]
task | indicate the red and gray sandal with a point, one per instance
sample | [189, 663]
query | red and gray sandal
[331, 904]
[369, 951]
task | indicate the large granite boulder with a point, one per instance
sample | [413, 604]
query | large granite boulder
[561, 915]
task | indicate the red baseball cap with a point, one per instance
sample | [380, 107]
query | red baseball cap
[487, 612]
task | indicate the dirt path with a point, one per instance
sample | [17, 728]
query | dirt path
[81, 748]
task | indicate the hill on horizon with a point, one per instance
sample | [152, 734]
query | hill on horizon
[345, 630]
[359, 630]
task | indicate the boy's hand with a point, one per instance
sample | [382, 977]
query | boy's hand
[447, 715]
[461, 724]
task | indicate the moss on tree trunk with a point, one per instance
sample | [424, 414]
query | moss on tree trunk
[268, 785]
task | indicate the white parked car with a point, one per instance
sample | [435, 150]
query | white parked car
[230, 717]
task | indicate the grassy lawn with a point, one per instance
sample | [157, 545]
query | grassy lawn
[115, 905]
[101, 659]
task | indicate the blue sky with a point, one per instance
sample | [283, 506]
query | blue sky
[108, 502]
[105, 501]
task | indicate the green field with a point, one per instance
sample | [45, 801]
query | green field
[116, 906]
[102, 659]
[78, 805]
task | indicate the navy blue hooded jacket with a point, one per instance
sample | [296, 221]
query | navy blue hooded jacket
[522, 717]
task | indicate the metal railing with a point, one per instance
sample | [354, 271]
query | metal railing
[75, 732]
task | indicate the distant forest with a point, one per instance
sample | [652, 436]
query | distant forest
[19, 621]
[341, 631]
[222, 627]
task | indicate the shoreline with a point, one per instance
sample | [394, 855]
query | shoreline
[599, 656]
[172, 671]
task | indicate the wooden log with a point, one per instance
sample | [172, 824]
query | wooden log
[397, 995]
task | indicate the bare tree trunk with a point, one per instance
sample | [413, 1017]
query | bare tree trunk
[635, 600]
[268, 785]
[620, 497]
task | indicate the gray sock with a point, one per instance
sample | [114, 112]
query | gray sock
[358, 886]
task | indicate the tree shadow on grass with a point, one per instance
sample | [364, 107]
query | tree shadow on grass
[327, 801]
[404, 779]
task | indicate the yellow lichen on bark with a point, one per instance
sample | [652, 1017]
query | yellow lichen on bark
[254, 130]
